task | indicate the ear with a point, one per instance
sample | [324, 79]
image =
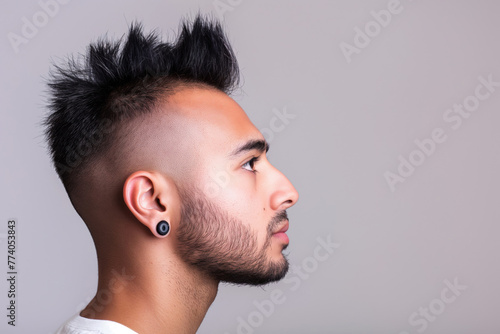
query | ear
[146, 195]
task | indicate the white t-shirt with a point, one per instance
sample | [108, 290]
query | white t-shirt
[80, 325]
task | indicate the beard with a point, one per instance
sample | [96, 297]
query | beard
[222, 246]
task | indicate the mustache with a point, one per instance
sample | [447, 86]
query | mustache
[276, 221]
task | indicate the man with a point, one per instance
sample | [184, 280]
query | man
[170, 177]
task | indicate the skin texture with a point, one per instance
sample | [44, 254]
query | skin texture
[175, 164]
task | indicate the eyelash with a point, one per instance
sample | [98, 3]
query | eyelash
[252, 164]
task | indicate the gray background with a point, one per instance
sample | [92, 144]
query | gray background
[352, 122]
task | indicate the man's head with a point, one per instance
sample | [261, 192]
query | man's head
[144, 131]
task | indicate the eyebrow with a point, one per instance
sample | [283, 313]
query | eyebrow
[253, 144]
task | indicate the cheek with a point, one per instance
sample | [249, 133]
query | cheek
[228, 185]
[243, 202]
[212, 178]
[241, 192]
[236, 192]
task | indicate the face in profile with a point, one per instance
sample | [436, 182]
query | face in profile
[177, 151]
[234, 201]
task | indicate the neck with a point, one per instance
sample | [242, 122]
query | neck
[152, 296]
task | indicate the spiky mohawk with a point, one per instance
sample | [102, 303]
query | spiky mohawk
[120, 80]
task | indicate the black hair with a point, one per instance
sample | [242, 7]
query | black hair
[120, 80]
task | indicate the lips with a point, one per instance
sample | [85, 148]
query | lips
[283, 229]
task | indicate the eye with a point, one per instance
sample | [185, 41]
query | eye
[250, 164]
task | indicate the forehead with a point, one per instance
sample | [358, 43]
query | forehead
[211, 118]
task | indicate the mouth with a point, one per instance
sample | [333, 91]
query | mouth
[281, 233]
[283, 229]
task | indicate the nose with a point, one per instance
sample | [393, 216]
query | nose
[283, 194]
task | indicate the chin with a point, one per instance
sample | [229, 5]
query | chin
[272, 272]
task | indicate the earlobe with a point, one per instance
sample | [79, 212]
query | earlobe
[144, 195]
